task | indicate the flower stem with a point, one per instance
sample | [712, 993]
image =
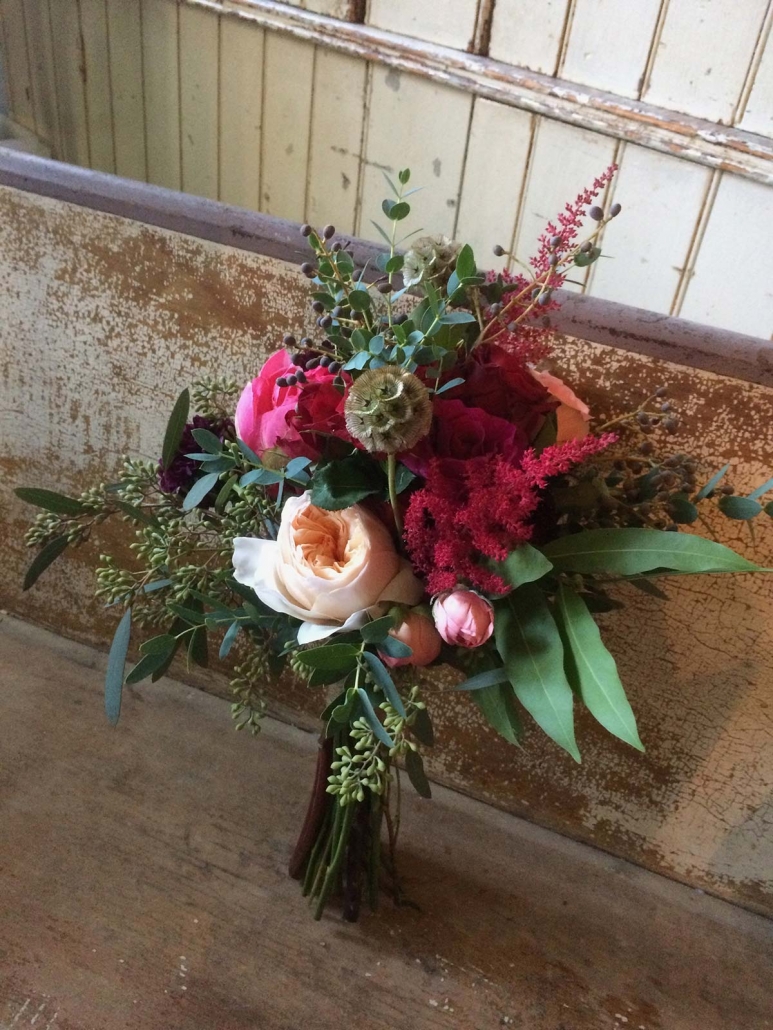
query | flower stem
[391, 471]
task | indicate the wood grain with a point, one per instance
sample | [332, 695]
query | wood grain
[161, 76]
[124, 20]
[199, 82]
[241, 112]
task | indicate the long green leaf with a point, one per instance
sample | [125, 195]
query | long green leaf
[529, 643]
[523, 565]
[175, 427]
[765, 488]
[498, 707]
[147, 665]
[50, 500]
[481, 680]
[329, 656]
[414, 766]
[43, 559]
[629, 552]
[116, 661]
[591, 669]
[199, 490]
[385, 681]
[712, 483]
[373, 720]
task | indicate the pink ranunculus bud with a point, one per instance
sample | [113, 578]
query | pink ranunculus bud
[463, 618]
[419, 633]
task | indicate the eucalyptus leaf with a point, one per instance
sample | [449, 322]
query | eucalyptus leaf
[359, 300]
[116, 661]
[450, 385]
[175, 427]
[248, 452]
[395, 648]
[199, 490]
[498, 707]
[204, 438]
[133, 512]
[374, 632]
[530, 646]
[329, 656]
[381, 675]
[228, 640]
[146, 666]
[741, 508]
[489, 678]
[422, 729]
[591, 669]
[198, 651]
[50, 500]
[414, 766]
[43, 559]
[158, 645]
[765, 488]
[712, 483]
[373, 720]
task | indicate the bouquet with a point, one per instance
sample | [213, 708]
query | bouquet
[412, 485]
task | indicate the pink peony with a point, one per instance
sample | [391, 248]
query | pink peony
[463, 618]
[572, 415]
[286, 419]
[419, 633]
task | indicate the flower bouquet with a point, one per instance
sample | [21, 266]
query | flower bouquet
[411, 485]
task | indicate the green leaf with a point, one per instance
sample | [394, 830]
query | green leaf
[390, 184]
[712, 483]
[248, 453]
[135, 513]
[374, 632]
[397, 212]
[465, 262]
[489, 678]
[175, 427]
[115, 666]
[414, 766]
[523, 565]
[529, 644]
[43, 559]
[177, 627]
[394, 264]
[395, 648]
[198, 651]
[50, 500]
[265, 477]
[204, 438]
[359, 300]
[648, 587]
[381, 232]
[450, 385]
[190, 616]
[200, 489]
[741, 508]
[373, 720]
[146, 666]
[592, 671]
[456, 318]
[682, 510]
[583, 258]
[296, 465]
[346, 482]
[769, 509]
[225, 492]
[422, 729]
[403, 478]
[329, 656]
[752, 496]
[228, 640]
[357, 361]
[629, 552]
[158, 645]
[497, 705]
[404, 175]
[384, 680]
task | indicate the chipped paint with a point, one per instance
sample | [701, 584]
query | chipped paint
[104, 318]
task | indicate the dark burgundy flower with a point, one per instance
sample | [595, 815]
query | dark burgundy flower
[182, 471]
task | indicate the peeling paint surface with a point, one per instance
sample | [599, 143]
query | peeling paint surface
[104, 319]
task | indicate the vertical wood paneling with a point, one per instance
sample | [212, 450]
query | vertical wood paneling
[758, 116]
[199, 85]
[494, 171]
[18, 73]
[241, 102]
[728, 286]
[703, 56]
[454, 27]
[162, 96]
[69, 69]
[124, 22]
[428, 129]
[564, 160]
[646, 247]
[332, 8]
[606, 50]
[289, 77]
[528, 34]
[336, 139]
[41, 55]
[97, 72]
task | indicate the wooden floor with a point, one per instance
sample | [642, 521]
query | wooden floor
[142, 885]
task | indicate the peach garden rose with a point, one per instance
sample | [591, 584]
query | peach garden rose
[330, 569]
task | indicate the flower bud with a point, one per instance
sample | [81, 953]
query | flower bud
[419, 633]
[463, 618]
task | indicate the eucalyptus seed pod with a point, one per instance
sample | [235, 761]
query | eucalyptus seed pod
[388, 409]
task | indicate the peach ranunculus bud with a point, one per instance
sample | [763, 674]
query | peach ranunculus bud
[463, 618]
[419, 633]
[572, 415]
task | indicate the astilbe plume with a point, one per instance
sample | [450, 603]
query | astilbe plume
[451, 527]
[569, 222]
[527, 341]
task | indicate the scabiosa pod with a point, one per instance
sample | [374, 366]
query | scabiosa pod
[388, 410]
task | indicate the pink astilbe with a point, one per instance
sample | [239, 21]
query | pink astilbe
[569, 222]
[451, 526]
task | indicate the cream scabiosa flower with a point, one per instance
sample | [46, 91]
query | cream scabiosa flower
[330, 569]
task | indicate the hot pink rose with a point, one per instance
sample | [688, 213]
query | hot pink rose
[285, 419]
[419, 633]
[463, 618]
[572, 415]
[460, 433]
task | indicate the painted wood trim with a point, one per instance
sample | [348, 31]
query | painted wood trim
[692, 139]
[589, 318]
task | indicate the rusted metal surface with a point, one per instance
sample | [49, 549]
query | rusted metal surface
[693, 139]
[105, 318]
[143, 886]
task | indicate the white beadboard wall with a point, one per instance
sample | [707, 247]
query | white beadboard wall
[183, 96]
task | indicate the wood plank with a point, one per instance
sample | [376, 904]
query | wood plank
[433, 122]
[141, 863]
[742, 214]
[124, 20]
[528, 34]
[758, 116]
[161, 91]
[241, 111]
[703, 56]
[494, 172]
[99, 109]
[336, 140]
[18, 72]
[609, 51]
[454, 27]
[199, 88]
[344, 9]
[289, 77]
[645, 249]
[564, 161]
[69, 70]
[41, 52]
